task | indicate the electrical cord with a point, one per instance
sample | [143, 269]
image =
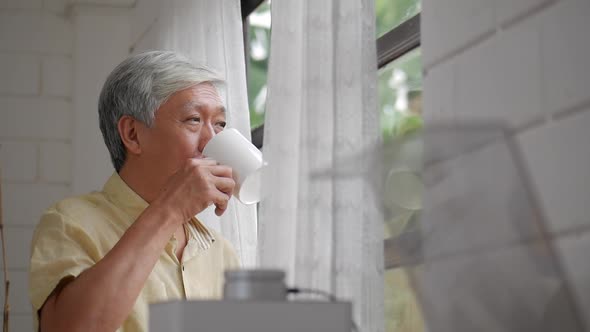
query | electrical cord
[5, 325]
[311, 291]
[326, 295]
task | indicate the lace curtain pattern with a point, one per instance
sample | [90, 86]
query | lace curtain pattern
[327, 233]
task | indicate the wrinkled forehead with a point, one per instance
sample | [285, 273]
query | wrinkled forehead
[206, 97]
[198, 104]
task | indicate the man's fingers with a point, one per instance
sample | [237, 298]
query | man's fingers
[221, 171]
[225, 185]
[219, 212]
[204, 161]
[220, 200]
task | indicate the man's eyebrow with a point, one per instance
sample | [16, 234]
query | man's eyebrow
[191, 105]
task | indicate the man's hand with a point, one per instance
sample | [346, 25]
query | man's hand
[198, 184]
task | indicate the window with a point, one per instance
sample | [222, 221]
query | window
[257, 43]
[397, 25]
[391, 13]
[400, 95]
[400, 107]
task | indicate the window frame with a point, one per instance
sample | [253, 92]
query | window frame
[248, 7]
[398, 41]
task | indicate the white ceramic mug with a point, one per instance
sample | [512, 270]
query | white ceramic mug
[231, 148]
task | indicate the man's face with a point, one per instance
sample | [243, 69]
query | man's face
[182, 127]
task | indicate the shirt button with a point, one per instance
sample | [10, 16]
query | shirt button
[183, 267]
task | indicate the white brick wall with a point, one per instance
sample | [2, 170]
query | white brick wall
[439, 89]
[451, 24]
[509, 10]
[21, 322]
[19, 300]
[500, 77]
[524, 62]
[565, 52]
[574, 251]
[55, 6]
[37, 118]
[142, 18]
[56, 162]
[97, 30]
[21, 74]
[23, 203]
[562, 176]
[18, 239]
[19, 161]
[21, 4]
[36, 48]
[38, 31]
[52, 65]
[528, 71]
[57, 76]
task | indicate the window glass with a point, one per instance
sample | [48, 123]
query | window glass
[402, 311]
[400, 106]
[258, 51]
[391, 13]
[400, 95]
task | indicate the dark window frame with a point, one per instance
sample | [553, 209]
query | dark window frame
[398, 41]
[248, 7]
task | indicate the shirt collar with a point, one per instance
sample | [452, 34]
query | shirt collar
[120, 194]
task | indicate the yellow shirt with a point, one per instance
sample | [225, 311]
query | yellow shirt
[77, 232]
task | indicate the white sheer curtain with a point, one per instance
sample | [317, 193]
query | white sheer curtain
[327, 234]
[210, 32]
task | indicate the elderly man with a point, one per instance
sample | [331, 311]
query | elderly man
[98, 260]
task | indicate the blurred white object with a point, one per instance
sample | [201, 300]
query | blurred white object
[486, 259]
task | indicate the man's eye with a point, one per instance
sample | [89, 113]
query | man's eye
[196, 120]
[221, 124]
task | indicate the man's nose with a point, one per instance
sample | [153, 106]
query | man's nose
[206, 133]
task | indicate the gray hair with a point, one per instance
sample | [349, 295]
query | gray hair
[139, 86]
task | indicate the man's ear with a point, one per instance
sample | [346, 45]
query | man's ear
[127, 127]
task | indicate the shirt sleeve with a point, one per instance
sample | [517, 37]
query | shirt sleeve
[60, 249]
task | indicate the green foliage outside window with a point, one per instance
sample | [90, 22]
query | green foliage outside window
[400, 96]
[400, 107]
[258, 54]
